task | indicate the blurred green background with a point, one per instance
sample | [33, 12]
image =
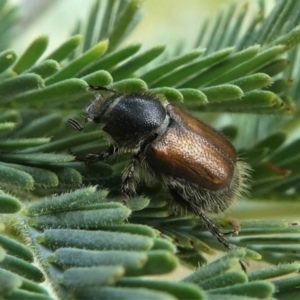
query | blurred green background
[164, 22]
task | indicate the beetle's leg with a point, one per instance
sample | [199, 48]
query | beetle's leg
[208, 222]
[211, 226]
[93, 158]
[96, 157]
[128, 180]
[214, 230]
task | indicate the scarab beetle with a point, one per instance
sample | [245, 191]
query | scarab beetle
[197, 164]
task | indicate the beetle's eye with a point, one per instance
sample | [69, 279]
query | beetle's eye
[96, 119]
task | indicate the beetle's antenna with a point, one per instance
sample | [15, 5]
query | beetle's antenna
[76, 125]
[101, 88]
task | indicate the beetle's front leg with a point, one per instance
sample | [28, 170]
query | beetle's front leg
[128, 180]
[102, 156]
[96, 157]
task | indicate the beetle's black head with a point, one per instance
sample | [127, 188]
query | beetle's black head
[128, 118]
[97, 108]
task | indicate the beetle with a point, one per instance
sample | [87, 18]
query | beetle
[197, 164]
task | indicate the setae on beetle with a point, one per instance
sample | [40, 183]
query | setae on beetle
[197, 164]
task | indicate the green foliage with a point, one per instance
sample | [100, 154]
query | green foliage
[68, 218]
